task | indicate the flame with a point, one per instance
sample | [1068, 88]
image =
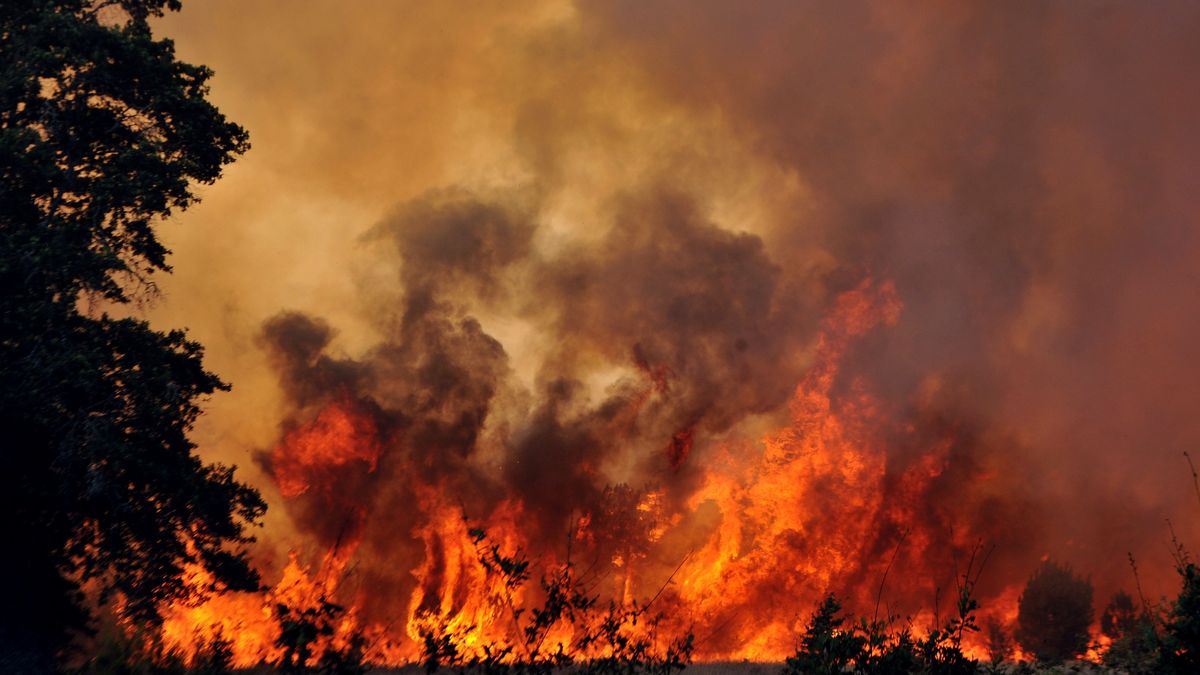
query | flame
[455, 594]
[778, 533]
[248, 621]
[774, 525]
[337, 437]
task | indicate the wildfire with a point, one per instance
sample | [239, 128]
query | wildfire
[793, 522]
[336, 438]
[249, 623]
[772, 526]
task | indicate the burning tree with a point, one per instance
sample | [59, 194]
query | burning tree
[102, 133]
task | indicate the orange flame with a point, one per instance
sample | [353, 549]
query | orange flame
[772, 526]
[336, 438]
[247, 620]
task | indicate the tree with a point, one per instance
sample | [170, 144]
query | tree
[1180, 648]
[999, 643]
[103, 133]
[1054, 613]
[1120, 617]
[1133, 646]
[826, 647]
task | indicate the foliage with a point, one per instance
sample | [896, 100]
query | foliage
[890, 652]
[1180, 649]
[102, 134]
[941, 651]
[141, 653]
[1120, 617]
[302, 628]
[825, 646]
[1054, 613]
[1000, 645]
[347, 659]
[1134, 641]
[1135, 652]
[871, 647]
[602, 642]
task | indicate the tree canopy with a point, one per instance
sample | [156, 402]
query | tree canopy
[103, 133]
[1054, 613]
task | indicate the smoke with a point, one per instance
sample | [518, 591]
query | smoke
[570, 256]
[1025, 174]
[689, 325]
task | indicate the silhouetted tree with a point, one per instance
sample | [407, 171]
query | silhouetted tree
[1180, 648]
[1134, 641]
[1000, 645]
[1120, 617]
[1054, 613]
[308, 630]
[102, 134]
[826, 647]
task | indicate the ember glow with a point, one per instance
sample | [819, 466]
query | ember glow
[729, 308]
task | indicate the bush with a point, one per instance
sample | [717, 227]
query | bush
[826, 647]
[621, 640]
[1180, 649]
[1054, 613]
[1120, 617]
[872, 647]
[305, 632]
[1000, 645]
[141, 652]
[1134, 644]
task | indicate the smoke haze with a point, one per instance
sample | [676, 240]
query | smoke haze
[555, 257]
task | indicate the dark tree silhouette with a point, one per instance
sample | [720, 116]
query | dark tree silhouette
[826, 647]
[1054, 613]
[1120, 617]
[1180, 649]
[999, 642]
[1134, 646]
[102, 134]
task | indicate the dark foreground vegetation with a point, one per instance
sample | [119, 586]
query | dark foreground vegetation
[103, 133]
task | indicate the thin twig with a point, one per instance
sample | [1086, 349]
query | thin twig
[1195, 477]
[883, 580]
[1137, 580]
[668, 581]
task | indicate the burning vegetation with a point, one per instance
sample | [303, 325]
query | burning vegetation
[839, 337]
[849, 503]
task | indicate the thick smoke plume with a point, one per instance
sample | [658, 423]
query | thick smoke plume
[771, 291]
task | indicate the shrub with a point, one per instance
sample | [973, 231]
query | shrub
[1180, 649]
[1000, 645]
[1120, 617]
[307, 632]
[826, 647]
[141, 652]
[620, 640]
[1134, 644]
[1054, 613]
